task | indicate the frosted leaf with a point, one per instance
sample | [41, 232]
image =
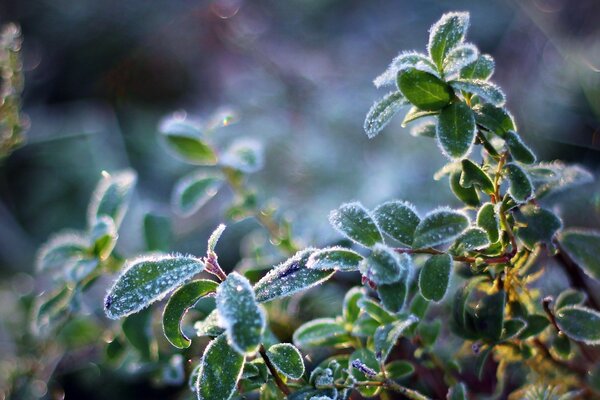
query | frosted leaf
[486, 91]
[384, 265]
[440, 226]
[363, 363]
[405, 60]
[356, 223]
[469, 195]
[320, 332]
[580, 323]
[382, 111]
[111, 197]
[495, 119]
[482, 68]
[487, 219]
[550, 178]
[518, 149]
[399, 369]
[351, 309]
[220, 370]
[214, 238]
[424, 90]
[290, 277]
[521, 188]
[538, 225]
[569, 297]
[393, 295]
[375, 311]
[446, 34]
[50, 310]
[147, 279]
[472, 239]
[183, 138]
[398, 219]
[456, 130]
[246, 155]
[386, 336]
[175, 309]
[60, 250]
[209, 326]
[424, 129]
[239, 314]
[472, 174]
[434, 278]
[415, 113]
[334, 259]
[287, 360]
[193, 191]
[104, 237]
[583, 247]
[459, 57]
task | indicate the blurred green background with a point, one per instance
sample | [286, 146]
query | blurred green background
[101, 74]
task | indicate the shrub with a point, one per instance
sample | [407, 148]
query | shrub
[462, 279]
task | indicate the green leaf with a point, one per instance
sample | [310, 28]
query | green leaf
[489, 316]
[245, 155]
[518, 149]
[521, 188]
[424, 90]
[458, 57]
[398, 219]
[145, 280]
[562, 346]
[486, 91]
[365, 326]
[541, 226]
[399, 369]
[375, 311]
[446, 34]
[51, 309]
[472, 174]
[321, 332]
[472, 239]
[569, 297]
[287, 359]
[583, 247]
[469, 196]
[351, 309]
[425, 129]
[214, 238]
[440, 226]
[457, 392]
[494, 119]
[80, 269]
[460, 312]
[415, 113]
[404, 61]
[209, 326]
[384, 265]
[138, 332]
[334, 259]
[111, 197]
[368, 359]
[193, 191]
[579, 323]
[536, 324]
[356, 223]
[487, 219]
[456, 130]
[220, 369]
[550, 178]
[157, 232]
[382, 112]
[513, 328]
[434, 278]
[393, 295]
[103, 237]
[429, 331]
[482, 68]
[184, 140]
[386, 336]
[290, 277]
[239, 313]
[181, 300]
[61, 250]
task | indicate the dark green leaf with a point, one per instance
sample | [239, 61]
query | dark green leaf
[472, 174]
[521, 188]
[536, 324]
[489, 316]
[111, 197]
[482, 68]
[384, 265]
[494, 119]
[382, 111]
[486, 91]
[583, 247]
[221, 368]
[487, 219]
[287, 359]
[541, 226]
[550, 178]
[145, 280]
[424, 90]
[290, 277]
[429, 332]
[579, 323]
[239, 313]
[320, 332]
[459, 57]
[194, 191]
[399, 369]
[518, 150]
[157, 232]
[182, 299]
[562, 346]
[398, 219]
[183, 139]
[471, 239]
[512, 328]
[456, 130]
[570, 297]
[439, 227]
[138, 332]
[209, 326]
[446, 34]
[469, 196]
[386, 336]
[404, 61]
[356, 223]
[334, 258]
[434, 278]
[393, 295]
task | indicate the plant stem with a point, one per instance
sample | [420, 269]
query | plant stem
[280, 384]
